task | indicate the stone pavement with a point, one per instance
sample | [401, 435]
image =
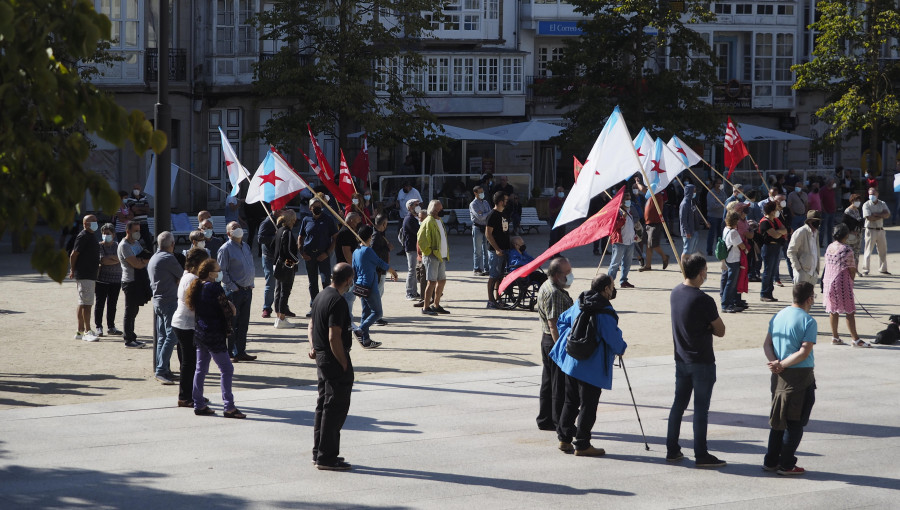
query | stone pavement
[463, 440]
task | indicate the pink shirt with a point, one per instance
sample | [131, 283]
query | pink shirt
[814, 202]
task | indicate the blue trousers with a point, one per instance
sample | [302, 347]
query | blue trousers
[696, 378]
[770, 254]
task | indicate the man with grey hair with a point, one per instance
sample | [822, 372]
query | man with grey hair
[165, 274]
[213, 243]
[84, 263]
[238, 272]
[552, 301]
[432, 239]
[408, 241]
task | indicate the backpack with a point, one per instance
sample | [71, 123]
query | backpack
[721, 249]
[582, 341]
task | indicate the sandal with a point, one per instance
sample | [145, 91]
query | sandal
[234, 413]
[206, 411]
[837, 341]
[859, 342]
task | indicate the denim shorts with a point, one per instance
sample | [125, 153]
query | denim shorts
[497, 265]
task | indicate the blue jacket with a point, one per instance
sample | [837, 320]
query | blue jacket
[365, 261]
[516, 259]
[687, 212]
[596, 370]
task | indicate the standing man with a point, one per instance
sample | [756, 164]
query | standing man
[585, 379]
[329, 344]
[212, 243]
[789, 349]
[134, 289]
[316, 241]
[406, 193]
[165, 275]
[623, 238]
[715, 211]
[798, 204]
[654, 231]
[236, 264]
[737, 195]
[478, 212]
[408, 232]
[344, 247]
[695, 320]
[497, 233]
[552, 301]
[875, 212]
[803, 249]
[688, 220]
[139, 206]
[84, 266]
[265, 235]
[432, 239]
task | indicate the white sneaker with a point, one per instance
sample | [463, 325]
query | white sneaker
[89, 336]
[284, 324]
[100, 331]
[78, 335]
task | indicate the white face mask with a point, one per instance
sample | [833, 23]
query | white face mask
[418, 209]
[570, 279]
[626, 203]
[201, 244]
[208, 233]
[777, 213]
[721, 187]
[219, 277]
[635, 191]
[136, 235]
[481, 196]
[136, 193]
[237, 233]
[93, 226]
[873, 198]
[355, 201]
[784, 203]
[107, 238]
[857, 204]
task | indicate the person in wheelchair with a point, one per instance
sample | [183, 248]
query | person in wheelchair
[522, 292]
[518, 257]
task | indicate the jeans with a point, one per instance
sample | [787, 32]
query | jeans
[783, 443]
[797, 221]
[165, 335]
[690, 244]
[268, 268]
[553, 387]
[826, 229]
[226, 368]
[131, 291]
[371, 310]
[332, 406]
[283, 293]
[321, 269]
[621, 258]
[715, 231]
[411, 274]
[481, 247]
[106, 294]
[237, 340]
[381, 279]
[187, 353]
[497, 264]
[786, 259]
[696, 378]
[350, 298]
[770, 254]
[582, 400]
[728, 285]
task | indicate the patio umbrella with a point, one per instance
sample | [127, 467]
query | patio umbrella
[531, 131]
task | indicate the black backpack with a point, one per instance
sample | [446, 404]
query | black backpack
[582, 341]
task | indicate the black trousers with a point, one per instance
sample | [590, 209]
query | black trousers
[132, 291]
[553, 388]
[283, 293]
[582, 400]
[316, 270]
[106, 294]
[332, 406]
[187, 355]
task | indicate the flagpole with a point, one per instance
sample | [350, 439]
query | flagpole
[600, 265]
[698, 210]
[665, 227]
[717, 172]
[705, 186]
[758, 172]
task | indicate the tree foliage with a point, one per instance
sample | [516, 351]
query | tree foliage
[619, 59]
[849, 65]
[327, 69]
[45, 110]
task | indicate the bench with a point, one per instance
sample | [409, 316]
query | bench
[463, 221]
[531, 221]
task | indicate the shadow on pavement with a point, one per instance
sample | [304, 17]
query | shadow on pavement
[54, 384]
[305, 418]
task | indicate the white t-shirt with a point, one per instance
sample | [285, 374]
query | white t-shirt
[403, 197]
[445, 249]
[184, 317]
[732, 240]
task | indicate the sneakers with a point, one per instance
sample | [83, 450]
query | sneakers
[381, 322]
[359, 334]
[89, 336]
[134, 344]
[99, 331]
[709, 461]
[438, 309]
[165, 380]
[78, 335]
[770, 469]
[767, 299]
[284, 324]
[337, 466]
[372, 344]
[566, 447]
[491, 305]
[428, 311]
[794, 471]
[590, 451]
[476, 272]
[113, 331]
[419, 304]
[674, 457]
[289, 314]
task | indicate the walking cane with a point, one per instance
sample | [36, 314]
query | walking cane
[622, 364]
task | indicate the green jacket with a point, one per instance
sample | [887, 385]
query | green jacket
[429, 237]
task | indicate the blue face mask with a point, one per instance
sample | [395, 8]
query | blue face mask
[481, 196]
[626, 203]
[740, 196]
[219, 277]
[797, 189]
[93, 226]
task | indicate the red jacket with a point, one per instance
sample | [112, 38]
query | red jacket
[616, 236]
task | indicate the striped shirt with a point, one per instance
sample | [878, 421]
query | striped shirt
[552, 301]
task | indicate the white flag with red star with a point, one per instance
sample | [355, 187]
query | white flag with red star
[274, 182]
[236, 171]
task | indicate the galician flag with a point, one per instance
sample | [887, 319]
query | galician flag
[274, 182]
[236, 171]
[687, 155]
[644, 145]
[611, 160]
[665, 166]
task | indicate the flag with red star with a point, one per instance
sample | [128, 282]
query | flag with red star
[687, 155]
[236, 171]
[274, 182]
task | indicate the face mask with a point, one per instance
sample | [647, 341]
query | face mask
[635, 191]
[857, 204]
[481, 196]
[613, 295]
[626, 203]
[721, 187]
[136, 193]
[355, 201]
[873, 198]
[237, 233]
[694, 195]
[201, 244]
[815, 224]
[136, 235]
[93, 226]
[208, 234]
[784, 203]
[561, 194]
[522, 248]
[219, 277]
[418, 209]
[570, 279]
[867, 176]
[777, 214]
[797, 189]
[317, 210]
[740, 196]
[107, 238]
[368, 197]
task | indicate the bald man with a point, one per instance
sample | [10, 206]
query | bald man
[84, 264]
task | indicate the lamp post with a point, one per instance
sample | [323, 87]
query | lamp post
[163, 113]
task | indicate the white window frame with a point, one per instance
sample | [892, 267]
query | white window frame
[233, 34]
[463, 72]
[121, 17]
[488, 75]
[511, 75]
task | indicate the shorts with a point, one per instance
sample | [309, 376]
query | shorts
[435, 268]
[85, 291]
[654, 234]
[497, 265]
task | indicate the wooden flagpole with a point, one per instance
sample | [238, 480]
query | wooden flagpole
[698, 210]
[665, 227]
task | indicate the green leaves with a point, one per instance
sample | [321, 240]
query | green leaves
[46, 112]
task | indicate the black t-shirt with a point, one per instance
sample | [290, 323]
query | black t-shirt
[330, 309]
[345, 237]
[496, 221]
[692, 313]
[765, 225]
[87, 267]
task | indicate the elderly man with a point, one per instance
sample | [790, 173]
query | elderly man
[432, 240]
[165, 274]
[737, 195]
[798, 203]
[803, 249]
[316, 241]
[552, 301]
[875, 211]
[236, 264]
[134, 288]
[407, 193]
[84, 263]
[408, 232]
[213, 243]
[479, 209]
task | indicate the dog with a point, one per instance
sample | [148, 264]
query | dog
[890, 335]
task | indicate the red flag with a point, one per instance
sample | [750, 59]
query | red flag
[323, 165]
[578, 167]
[345, 182]
[360, 168]
[596, 227]
[735, 150]
[329, 183]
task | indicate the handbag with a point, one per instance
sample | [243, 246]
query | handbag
[361, 291]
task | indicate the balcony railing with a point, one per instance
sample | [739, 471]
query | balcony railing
[177, 64]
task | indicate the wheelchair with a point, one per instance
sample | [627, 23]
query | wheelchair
[522, 293]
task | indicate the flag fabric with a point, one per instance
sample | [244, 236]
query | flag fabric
[656, 174]
[150, 186]
[329, 183]
[735, 150]
[360, 168]
[611, 160]
[324, 170]
[596, 227]
[345, 182]
[643, 144]
[576, 167]
[896, 183]
[274, 182]
[236, 171]
[687, 155]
